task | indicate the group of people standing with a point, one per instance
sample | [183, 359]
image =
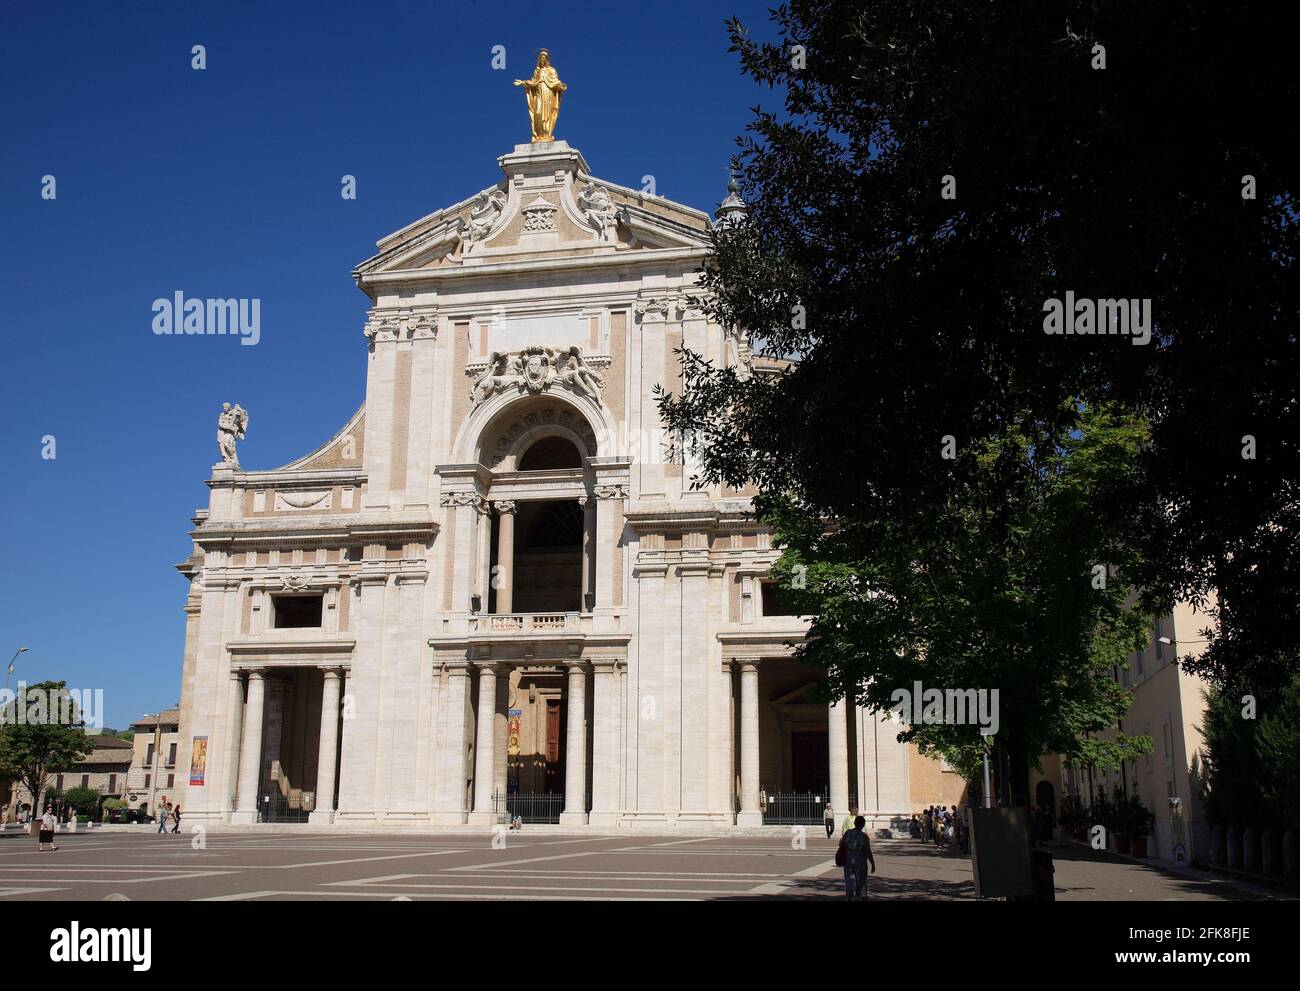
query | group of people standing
[946, 828]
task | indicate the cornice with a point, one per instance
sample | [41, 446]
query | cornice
[288, 476]
[689, 257]
[336, 530]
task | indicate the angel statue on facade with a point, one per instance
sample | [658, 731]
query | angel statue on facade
[500, 373]
[543, 95]
[580, 376]
[484, 213]
[232, 425]
[598, 208]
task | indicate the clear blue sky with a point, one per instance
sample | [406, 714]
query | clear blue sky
[225, 183]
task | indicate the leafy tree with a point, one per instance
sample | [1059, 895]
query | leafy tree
[936, 173]
[41, 744]
[83, 800]
[1252, 766]
[1003, 591]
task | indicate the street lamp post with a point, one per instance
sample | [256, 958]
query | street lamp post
[10, 669]
[13, 791]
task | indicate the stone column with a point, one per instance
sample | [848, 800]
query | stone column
[575, 750]
[450, 804]
[605, 746]
[484, 756]
[722, 772]
[605, 542]
[234, 727]
[505, 577]
[750, 813]
[484, 568]
[250, 755]
[588, 549]
[839, 756]
[466, 507]
[382, 330]
[868, 789]
[327, 761]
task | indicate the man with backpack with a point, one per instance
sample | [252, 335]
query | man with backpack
[854, 855]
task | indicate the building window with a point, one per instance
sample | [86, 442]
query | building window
[774, 600]
[148, 756]
[59, 784]
[171, 781]
[85, 781]
[147, 778]
[171, 755]
[296, 612]
[112, 782]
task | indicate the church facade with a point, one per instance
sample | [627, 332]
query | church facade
[494, 589]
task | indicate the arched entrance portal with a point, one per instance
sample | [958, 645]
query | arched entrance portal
[542, 565]
[541, 544]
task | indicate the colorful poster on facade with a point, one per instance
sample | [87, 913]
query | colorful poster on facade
[199, 760]
[512, 745]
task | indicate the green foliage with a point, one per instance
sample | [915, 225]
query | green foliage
[997, 592]
[1141, 819]
[1252, 766]
[924, 314]
[84, 800]
[31, 751]
[1074, 813]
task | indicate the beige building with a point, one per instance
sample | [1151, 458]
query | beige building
[493, 589]
[1168, 706]
[103, 769]
[152, 776]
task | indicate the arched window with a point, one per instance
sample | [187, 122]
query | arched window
[550, 453]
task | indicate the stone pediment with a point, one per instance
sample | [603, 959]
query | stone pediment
[547, 205]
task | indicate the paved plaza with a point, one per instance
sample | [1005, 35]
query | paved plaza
[535, 865]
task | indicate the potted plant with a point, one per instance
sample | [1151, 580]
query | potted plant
[1120, 825]
[1074, 817]
[1141, 822]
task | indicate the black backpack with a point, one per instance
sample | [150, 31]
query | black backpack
[854, 841]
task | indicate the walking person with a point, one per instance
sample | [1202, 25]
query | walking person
[849, 819]
[49, 823]
[176, 818]
[164, 808]
[855, 854]
[828, 816]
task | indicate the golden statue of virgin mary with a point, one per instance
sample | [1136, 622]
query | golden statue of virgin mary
[543, 95]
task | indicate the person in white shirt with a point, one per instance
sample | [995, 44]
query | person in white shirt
[48, 825]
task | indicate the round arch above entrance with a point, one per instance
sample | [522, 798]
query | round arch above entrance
[498, 433]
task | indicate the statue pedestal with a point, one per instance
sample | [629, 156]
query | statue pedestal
[545, 158]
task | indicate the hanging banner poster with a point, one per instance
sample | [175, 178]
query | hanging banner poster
[199, 760]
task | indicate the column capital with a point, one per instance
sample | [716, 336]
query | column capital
[489, 667]
[331, 673]
[256, 674]
[236, 674]
[504, 506]
[747, 664]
